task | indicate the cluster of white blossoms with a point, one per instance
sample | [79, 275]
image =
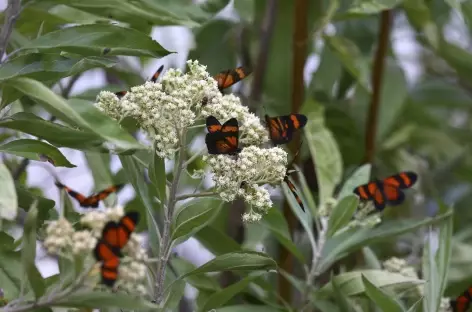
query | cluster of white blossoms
[62, 239]
[398, 265]
[244, 176]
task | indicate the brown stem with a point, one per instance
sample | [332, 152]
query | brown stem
[377, 75]
[299, 47]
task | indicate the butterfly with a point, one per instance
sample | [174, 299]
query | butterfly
[108, 249]
[222, 139]
[281, 128]
[91, 201]
[289, 183]
[229, 77]
[154, 77]
[462, 303]
[388, 190]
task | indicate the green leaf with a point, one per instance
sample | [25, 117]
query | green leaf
[351, 283]
[91, 40]
[221, 297]
[200, 281]
[342, 297]
[8, 197]
[173, 295]
[77, 113]
[443, 254]
[6, 241]
[248, 308]
[52, 132]
[135, 175]
[193, 216]
[342, 214]
[429, 269]
[28, 252]
[50, 67]
[341, 245]
[359, 177]
[216, 241]
[32, 149]
[278, 226]
[325, 152]
[11, 273]
[26, 199]
[373, 6]
[236, 261]
[96, 299]
[383, 300]
[157, 174]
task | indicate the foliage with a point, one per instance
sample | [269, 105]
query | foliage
[332, 255]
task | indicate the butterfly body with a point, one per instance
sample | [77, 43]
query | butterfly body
[222, 139]
[154, 78]
[93, 200]
[115, 236]
[281, 128]
[388, 190]
[462, 303]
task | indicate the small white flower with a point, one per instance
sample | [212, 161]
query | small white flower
[83, 241]
[58, 236]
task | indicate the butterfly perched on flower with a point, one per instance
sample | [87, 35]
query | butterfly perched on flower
[388, 190]
[115, 236]
[281, 128]
[154, 77]
[462, 303]
[229, 77]
[93, 200]
[222, 139]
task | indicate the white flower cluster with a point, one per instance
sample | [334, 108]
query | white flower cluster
[242, 176]
[61, 238]
[164, 108]
[398, 265]
[251, 131]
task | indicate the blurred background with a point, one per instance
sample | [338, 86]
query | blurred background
[424, 104]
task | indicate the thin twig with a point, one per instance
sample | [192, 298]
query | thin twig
[377, 75]
[166, 240]
[11, 14]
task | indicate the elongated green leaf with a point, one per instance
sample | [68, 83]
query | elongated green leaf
[33, 149]
[373, 7]
[173, 295]
[220, 298]
[430, 272]
[276, 223]
[249, 308]
[54, 133]
[28, 252]
[135, 175]
[49, 66]
[384, 301]
[359, 177]
[340, 245]
[342, 297]
[77, 113]
[443, 254]
[325, 152]
[194, 216]
[236, 261]
[342, 214]
[223, 245]
[11, 273]
[104, 299]
[8, 197]
[26, 199]
[351, 283]
[157, 174]
[201, 281]
[91, 40]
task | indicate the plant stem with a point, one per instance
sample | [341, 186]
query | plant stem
[202, 194]
[194, 156]
[10, 15]
[168, 214]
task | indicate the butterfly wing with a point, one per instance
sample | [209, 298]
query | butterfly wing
[225, 140]
[402, 180]
[212, 124]
[229, 77]
[281, 128]
[92, 201]
[372, 191]
[76, 195]
[293, 189]
[157, 74]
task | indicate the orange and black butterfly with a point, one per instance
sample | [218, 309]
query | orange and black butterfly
[108, 249]
[388, 190]
[281, 128]
[229, 77]
[93, 200]
[222, 139]
[154, 77]
[462, 303]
